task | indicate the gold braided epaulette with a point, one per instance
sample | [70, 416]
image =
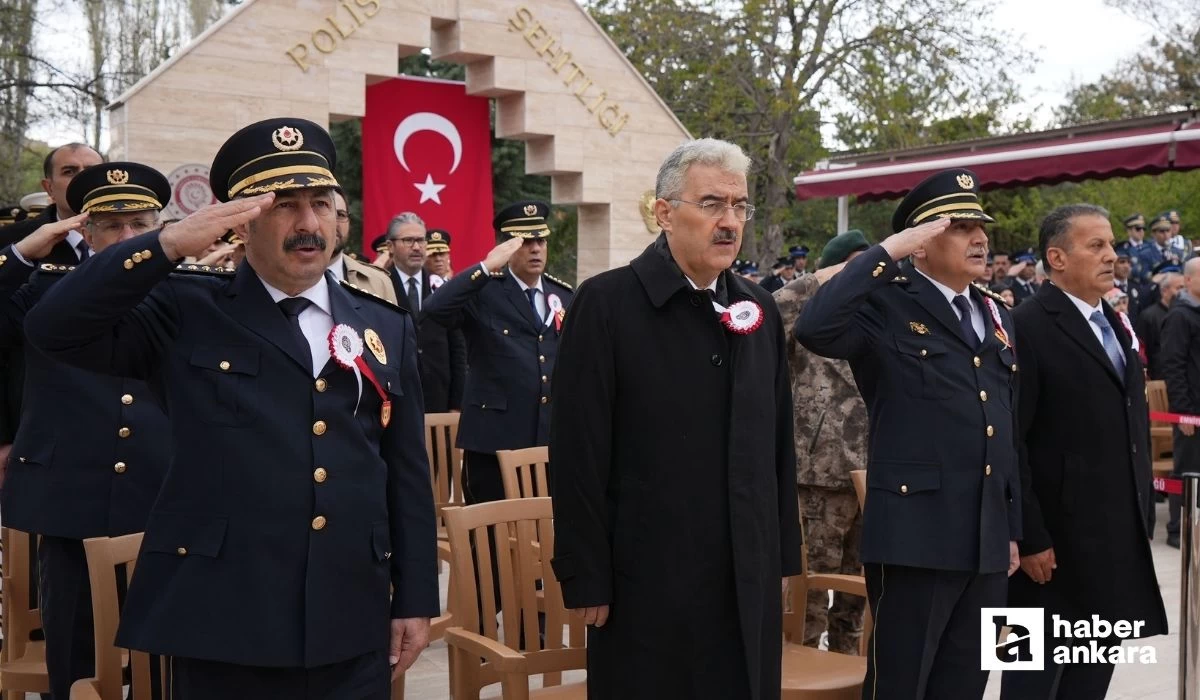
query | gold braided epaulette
[989, 293]
[57, 269]
[355, 289]
[557, 281]
[193, 269]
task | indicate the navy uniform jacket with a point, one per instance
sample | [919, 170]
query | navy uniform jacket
[943, 490]
[1148, 256]
[510, 354]
[289, 508]
[442, 353]
[91, 450]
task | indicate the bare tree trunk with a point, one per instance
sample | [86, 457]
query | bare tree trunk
[16, 47]
[95, 11]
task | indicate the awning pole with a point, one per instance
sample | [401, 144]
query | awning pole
[843, 214]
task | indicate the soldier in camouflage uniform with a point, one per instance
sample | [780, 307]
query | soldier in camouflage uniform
[831, 440]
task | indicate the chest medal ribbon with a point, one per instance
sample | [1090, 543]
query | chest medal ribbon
[742, 317]
[556, 308]
[346, 348]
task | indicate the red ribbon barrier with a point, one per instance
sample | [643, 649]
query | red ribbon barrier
[1171, 487]
[1178, 418]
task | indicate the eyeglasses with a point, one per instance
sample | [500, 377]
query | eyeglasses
[408, 242]
[116, 227]
[716, 210]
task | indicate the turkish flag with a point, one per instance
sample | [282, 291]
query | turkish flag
[426, 148]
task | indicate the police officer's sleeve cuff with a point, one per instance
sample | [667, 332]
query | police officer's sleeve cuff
[15, 254]
[875, 266]
[479, 273]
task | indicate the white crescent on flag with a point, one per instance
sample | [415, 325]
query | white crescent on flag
[427, 121]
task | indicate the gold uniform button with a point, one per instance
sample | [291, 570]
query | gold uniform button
[539, 338]
[319, 475]
[1014, 368]
[983, 396]
[505, 331]
[181, 551]
[987, 471]
[128, 264]
[127, 399]
[545, 399]
[319, 428]
[124, 432]
[991, 431]
[978, 362]
[119, 467]
[224, 365]
[545, 379]
[146, 254]
[924, 352]
[318, 522]
[542, 359]
[137, 257]
[903, 488]
[321, 385]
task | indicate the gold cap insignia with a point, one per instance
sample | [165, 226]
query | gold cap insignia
[375, 345]
[918, 328]
[287, 138]
[435, 236]
[530, 209]
[117, 177]
[966, 181]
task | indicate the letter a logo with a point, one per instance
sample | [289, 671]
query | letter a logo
[1011, 639]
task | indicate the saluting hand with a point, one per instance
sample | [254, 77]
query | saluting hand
[1040, 566]
[502, 253]
[901, 245]
[195, 233]
[38, 244]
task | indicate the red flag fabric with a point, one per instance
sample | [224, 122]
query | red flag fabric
[426, 148]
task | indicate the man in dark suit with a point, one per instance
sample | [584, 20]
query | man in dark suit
[58, 168]
[512, 314]
[91, 449]
[298, 492]
[934, 360]
[442, 351]
[1180, 363]
[1159, 296]
[1085, 457]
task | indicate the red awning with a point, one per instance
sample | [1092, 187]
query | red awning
[1092, 157]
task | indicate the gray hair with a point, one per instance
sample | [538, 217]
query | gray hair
[1057, 224]
[722, 154]
[404, 217]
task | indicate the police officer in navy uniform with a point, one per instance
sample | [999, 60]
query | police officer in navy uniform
[1024, 283]
[1158, 250]
[298, 492]
[91, 449]
[1123, 277]
[933, 358]
[512, 313]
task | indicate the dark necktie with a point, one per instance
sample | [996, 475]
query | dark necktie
[292, 307]
[83, 249]
[414, 296]
[968, 329]
[532, 294]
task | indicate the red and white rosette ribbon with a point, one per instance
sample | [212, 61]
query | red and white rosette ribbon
[1129, 329]
[346, 348]
[557, 310]
[435, 281]
[742, 317]
[1001, 334]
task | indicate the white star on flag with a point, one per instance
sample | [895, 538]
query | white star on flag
[429, 190]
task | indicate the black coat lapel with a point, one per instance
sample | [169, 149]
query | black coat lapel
[931, 298]
[1132, 361]
[247, 301]
[1076, 327]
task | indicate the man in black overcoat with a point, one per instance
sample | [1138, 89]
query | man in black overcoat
[933, 357]
[674, 481]
[1085, 457]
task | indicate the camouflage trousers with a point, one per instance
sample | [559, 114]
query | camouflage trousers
[832, 528]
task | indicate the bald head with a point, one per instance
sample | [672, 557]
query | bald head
[1191, 268]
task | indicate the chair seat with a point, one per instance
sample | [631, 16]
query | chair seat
[566, 691]
[813, 674]
[27, 673]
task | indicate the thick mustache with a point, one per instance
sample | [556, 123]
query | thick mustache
[977, 251]
[303, 240]
[723, 235]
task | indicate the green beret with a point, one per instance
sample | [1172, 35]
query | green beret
[841, 246]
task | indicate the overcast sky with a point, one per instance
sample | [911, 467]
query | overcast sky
[1075, 40]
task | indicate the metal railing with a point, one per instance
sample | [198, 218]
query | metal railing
[1189, 590]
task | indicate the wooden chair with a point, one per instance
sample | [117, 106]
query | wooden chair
[23, 662]
[483, 653]
[445, 472]
[812, 674]
[524, 472]
[104, 556]
[1161, 434]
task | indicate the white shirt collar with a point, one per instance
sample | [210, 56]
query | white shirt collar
[405, 277]
[524, 286]
[712, 287]
[946, 291]
[318, 294]
[1083, 307]
[337, 268]
[73, 238]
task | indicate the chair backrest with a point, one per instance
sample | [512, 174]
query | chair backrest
[858, 477]
[1156, 395]
[521, 534]
[445, 460]
[108, 559]
[524, 472]
[20, 615]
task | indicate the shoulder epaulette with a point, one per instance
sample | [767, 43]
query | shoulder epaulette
[193, 269]
[899, 279]
[355, 289]
[556, 280]
[57, 269]
[989, 293]
[498, 274]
